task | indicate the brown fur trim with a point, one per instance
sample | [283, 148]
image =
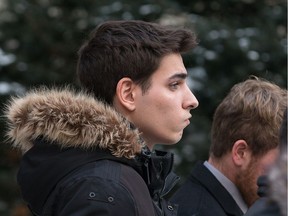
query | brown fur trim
[71, 120]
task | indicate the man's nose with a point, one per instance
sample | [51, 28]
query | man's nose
[191, 101]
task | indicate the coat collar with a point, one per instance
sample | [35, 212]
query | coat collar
[70, 119]
[208, 180]
[155, 168]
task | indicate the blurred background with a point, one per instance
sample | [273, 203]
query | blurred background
[39, 40]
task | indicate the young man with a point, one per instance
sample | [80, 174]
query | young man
[91, 153]
[244, 143]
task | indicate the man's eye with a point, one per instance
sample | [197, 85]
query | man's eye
[174, 85]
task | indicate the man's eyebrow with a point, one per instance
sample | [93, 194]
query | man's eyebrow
[178, 75]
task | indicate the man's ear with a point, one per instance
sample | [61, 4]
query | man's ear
[241, 153]
[125, 93]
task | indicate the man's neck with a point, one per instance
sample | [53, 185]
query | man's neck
[225, 166]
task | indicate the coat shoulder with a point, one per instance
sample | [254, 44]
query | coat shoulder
[190, 197]
[105, 186]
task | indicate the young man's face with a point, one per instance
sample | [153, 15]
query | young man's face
[163, 111]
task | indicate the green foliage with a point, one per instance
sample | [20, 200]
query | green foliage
[39, 42]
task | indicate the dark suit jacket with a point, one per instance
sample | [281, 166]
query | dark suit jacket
[203, 195]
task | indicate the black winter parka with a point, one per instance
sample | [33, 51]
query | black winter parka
[81, 157]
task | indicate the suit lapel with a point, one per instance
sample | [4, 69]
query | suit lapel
[204, 177]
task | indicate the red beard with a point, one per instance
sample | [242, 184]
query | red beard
[246, 182]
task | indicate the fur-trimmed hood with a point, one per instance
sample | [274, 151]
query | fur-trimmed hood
[69, 119]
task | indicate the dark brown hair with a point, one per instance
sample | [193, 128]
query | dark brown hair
[133, 49]
[252, 111]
